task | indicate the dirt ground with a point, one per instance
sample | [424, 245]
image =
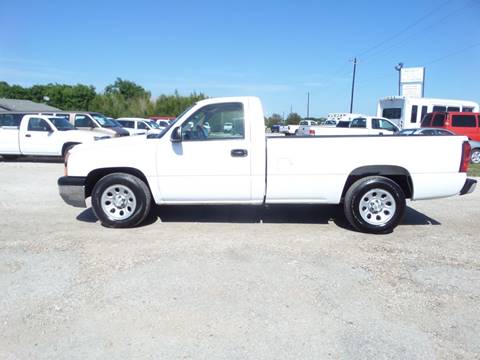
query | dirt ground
[286, 282]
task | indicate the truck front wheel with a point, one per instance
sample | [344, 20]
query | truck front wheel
[374, 204]
[121, 200]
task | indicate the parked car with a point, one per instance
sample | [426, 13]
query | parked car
[125, 176]
[475, 157]
[40, 135]
[461, 123]
[276, 128]
[365, 125]
[227, 127]
[139, 126]
[425, 131]
[91, 121]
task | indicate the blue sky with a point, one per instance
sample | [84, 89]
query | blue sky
[278, 50]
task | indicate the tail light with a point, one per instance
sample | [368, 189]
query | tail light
[311, 132]
[466, 152]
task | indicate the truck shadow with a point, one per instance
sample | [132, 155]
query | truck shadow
[272, 214]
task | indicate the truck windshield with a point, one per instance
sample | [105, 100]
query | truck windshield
[61, 123]
[159, 135]
[103, 121]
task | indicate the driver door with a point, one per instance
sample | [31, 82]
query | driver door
[39, 138]
[208, 165]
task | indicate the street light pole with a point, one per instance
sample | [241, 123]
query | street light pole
[399, 69]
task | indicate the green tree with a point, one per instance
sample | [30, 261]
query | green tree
[127, 89]
[273, 119]
[293, 119]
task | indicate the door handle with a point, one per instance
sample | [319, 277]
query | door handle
[239, 152]
[28, 135]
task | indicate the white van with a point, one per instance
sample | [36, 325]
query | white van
[408, 112]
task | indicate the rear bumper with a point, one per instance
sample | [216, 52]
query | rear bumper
[72, 190]
[469, 186]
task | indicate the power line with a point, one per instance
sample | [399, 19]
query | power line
[394, 36]
[453, 53]
[422, 31]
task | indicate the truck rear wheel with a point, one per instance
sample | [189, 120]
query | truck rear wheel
[475, 157]
[121, 200]
[374, 204]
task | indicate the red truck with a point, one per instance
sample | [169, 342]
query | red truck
[461, 123]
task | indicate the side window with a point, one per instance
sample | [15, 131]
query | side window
[428, 132]
[10, 120]
[439, 108]
[127, 124]
[387, 125]
[467, 109]
[392, 113]
[413, 117]
[424, 112]
[37, 124]
[439, 120]
[359, 123]
[210, 122]
[464, 121]
[453, 108]
[427, 120]
[83, 121]
[141, 126]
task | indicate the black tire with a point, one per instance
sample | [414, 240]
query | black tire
[475, 156]
[374, 204]
[136, 213]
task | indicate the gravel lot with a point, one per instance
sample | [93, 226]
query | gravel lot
[287, 282]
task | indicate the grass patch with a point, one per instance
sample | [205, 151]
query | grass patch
[474, 170]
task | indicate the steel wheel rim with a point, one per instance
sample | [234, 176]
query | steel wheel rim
[476, 157]
[118, 202]
[377, 207]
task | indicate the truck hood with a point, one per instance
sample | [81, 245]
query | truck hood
[126, 142]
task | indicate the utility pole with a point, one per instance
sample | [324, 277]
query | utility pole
[353, 83]
[308, 105]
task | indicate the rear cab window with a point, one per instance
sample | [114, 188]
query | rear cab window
[359, 123]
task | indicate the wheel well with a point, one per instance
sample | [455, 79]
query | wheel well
[97, 174]
[66, 145]
[395, 173]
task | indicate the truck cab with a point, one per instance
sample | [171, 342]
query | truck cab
[92, 121]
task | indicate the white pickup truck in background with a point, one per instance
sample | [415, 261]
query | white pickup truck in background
[365, 125]
[187, 165]
[39, 135]
[293, 129]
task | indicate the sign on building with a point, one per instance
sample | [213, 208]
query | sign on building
[412, 81]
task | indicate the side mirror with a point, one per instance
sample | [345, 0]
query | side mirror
[176, 135]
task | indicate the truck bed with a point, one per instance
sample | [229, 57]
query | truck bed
[314, 169]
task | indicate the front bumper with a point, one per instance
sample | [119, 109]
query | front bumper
[72, 190]
[469, 186]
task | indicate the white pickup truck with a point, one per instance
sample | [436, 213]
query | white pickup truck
[363, 125]
[39, 135]
[370, 175]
